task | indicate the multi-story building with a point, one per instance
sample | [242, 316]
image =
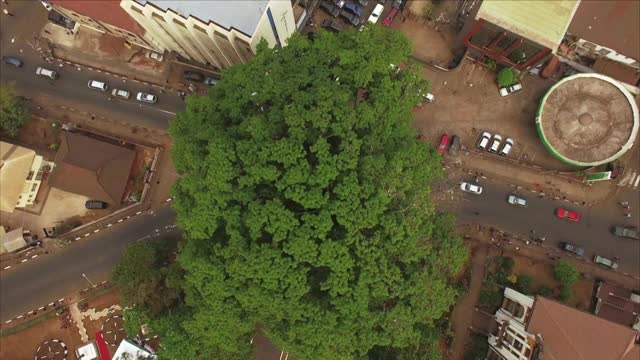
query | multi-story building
[219, 33]
[21, 172]
[528, 328]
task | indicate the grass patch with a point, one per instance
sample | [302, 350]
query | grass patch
[27, 324]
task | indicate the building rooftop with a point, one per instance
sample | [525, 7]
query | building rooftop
[612, 24]
[107, 11]
[567, 333]
[587, 119]
[242, 15]
[619, 305]
[93, 168]
[543, 22]
[15, 164]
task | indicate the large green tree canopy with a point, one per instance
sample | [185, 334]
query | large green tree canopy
[305, 200]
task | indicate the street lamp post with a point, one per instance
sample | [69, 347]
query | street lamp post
[85, 276]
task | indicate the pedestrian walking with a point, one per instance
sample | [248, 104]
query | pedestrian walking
[6, 12]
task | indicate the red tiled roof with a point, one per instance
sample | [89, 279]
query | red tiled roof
[106, 11]
[568, 333]
[615, 304]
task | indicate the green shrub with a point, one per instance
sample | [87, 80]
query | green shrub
[477, 349]
[524, 284]
[545, 291]
[507, 77]
[565, 293]
[517, 56]
[565, 273]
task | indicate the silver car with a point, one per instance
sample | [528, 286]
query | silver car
[471, 188]
[148, 98]
[514, 200]
[605, 262]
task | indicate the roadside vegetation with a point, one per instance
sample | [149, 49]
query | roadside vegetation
[13, 112]
[305, 201]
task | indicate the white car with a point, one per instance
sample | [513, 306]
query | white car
[471, 188]
[514, 200]
[484, 140]
[46, 73]
[506, 148]
[148, 98]
[511, 89]
[605, 262]
[495, 144]
[123, 94]
[375, 15]
[154, 55]
[98, 85]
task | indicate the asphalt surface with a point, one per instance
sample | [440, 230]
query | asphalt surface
[593, 232]
[70, 89]
[54, 276]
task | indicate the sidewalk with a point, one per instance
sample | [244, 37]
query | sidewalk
[551, 184]
[465, 307]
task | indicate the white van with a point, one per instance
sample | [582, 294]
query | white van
[98, 85]
[375, 15]
[506, 149]
[484, 140]
[46, 73]
[495, 145]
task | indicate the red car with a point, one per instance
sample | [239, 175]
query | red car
[389, 19]
[568, 215]
[444, 144]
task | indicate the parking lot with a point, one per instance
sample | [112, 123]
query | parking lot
[321, 15]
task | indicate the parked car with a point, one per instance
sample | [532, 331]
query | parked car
[147, 98]
[444, 144]
[568, 215]
[154, 55]
[46, 73]
[351, 18]
[210, 81]
[331, 9]
[510, 89]
[484, 140]
[471, 188]
[389, 19]
[12, 61]
[626, 231]
[455, 145]
[375, 15]
[535, 70]
[352, 7]
[576, 250]
[331, 25]
[193, 76]
[515, 200]
[506, 148]
[605, 262]
[95, 204]
[124, 94]
[98, 85]
[428, 97]
[398, 4]
[495, 144]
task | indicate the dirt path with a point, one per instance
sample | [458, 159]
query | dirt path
[463, 312]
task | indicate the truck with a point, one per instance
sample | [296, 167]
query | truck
[626, 231]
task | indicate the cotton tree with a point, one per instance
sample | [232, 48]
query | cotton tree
[305, 201]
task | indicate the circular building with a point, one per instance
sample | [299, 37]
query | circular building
[587, 120]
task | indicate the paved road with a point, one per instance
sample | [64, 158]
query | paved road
[593, 232]
[51, 277]
[71, 88]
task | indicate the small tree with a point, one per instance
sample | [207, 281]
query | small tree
[506, 77]
[13, 113]
[565, 273]
[565, 293]
[545, 291]
[525, 283]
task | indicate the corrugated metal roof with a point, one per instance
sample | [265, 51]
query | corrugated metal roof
[543, 22]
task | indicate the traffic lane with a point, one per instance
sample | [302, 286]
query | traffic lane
[55, 276]
[71, 90]
[593, 232]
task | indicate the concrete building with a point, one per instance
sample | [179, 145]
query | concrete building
[21, 172]
[105, 16]
[528, 328]
[218, 33]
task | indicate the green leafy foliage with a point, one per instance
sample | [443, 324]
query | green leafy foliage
[13, 113]
[308, 211]
[545, 291]
[477, 348]
[507, 77]
[565, 293]
[525, 284]
[144, 281]
[518, 56]
[565, 273]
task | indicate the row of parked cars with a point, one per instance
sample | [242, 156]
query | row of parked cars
[352, 13]
[486, 143]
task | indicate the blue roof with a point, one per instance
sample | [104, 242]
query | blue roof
[243, 15]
